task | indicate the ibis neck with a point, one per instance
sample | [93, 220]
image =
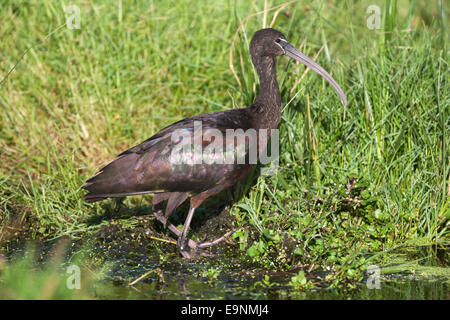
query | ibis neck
[268, 101]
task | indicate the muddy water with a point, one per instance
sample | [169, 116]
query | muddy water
[157, 271]
[161, 274]
[138, 263]
[229, 275]
[185, 281]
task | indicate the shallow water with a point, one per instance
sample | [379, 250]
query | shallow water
[196, 289]
[138, 267]
[237, 278]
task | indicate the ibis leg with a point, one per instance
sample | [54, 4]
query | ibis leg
[161, 218]
[182, 235]
[187, 223]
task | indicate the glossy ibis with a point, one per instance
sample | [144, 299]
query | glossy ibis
[150, 167]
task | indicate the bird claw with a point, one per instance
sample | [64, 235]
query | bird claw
[198, 248]
[192, 254]
[189, 248]
[185, 254]
[203, 245]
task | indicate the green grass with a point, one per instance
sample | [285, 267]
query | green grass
[26, 277]
[353, 182]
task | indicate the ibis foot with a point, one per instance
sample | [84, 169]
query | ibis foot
[161, 218]
[206, 244]
[187, 244]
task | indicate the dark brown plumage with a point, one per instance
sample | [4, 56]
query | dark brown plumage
[150, 168]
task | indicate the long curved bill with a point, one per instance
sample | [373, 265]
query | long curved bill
[296, 54]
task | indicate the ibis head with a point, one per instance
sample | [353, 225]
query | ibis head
[271, 43]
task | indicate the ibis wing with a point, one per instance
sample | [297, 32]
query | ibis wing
[155, 165]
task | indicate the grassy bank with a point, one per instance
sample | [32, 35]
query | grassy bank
[353, 182]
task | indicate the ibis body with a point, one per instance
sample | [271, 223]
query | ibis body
[167, 163]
